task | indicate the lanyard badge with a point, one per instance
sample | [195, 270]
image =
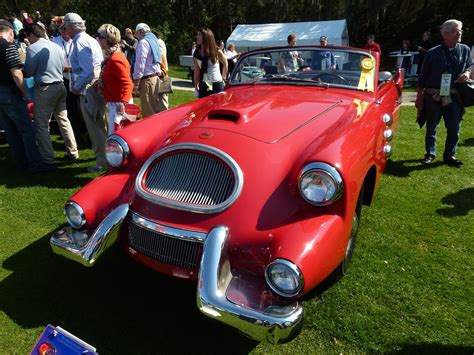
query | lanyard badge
[445, 86]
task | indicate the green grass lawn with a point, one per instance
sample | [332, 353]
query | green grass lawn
[409, 288]
[178, 72]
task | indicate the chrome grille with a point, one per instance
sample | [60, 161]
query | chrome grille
[190, 178]
[164, 248]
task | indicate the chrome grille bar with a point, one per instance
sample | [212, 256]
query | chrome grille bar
[190, 178]
[165, 248]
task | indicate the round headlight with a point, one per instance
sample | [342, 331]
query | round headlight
[74, 215]
[116, 151]
[320, 184]
[284, 278]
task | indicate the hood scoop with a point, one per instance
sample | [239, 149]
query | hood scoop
[223, 115]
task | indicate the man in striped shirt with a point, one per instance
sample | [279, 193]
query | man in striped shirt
[14, 116]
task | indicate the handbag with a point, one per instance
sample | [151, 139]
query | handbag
[166, 86]
[466, 93]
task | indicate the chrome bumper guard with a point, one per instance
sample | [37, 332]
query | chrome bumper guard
[83, 248]
[274, 325]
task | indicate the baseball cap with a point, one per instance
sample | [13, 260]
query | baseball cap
[142, 27]
[73, 18]
[323, 38]
[6, 23]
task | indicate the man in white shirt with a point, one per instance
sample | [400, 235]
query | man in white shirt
[147, 70]
[72, 101]
[86, 58]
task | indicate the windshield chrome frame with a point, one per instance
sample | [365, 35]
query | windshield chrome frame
[296, 82]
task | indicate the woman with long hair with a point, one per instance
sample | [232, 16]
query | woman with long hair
[207, 76]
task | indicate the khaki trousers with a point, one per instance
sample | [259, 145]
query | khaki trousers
[48, 100]
[151, 100]
[164, 101]
[97, 132]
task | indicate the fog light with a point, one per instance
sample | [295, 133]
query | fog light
[284, 278]
[74, 215]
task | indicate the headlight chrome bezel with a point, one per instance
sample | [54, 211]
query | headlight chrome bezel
[293, 268]
[79, 211]
[327, 171]
[123, 147]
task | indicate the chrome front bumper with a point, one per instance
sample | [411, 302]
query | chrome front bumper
[275, 324]
[79, 246]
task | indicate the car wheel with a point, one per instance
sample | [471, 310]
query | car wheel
[352, 238]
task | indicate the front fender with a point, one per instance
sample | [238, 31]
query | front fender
[99, 197]
[316, 245]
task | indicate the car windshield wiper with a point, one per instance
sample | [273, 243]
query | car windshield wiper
[290, 78]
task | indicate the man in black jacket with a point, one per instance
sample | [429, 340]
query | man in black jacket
[443, 67]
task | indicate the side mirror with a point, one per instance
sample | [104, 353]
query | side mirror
[385, 76]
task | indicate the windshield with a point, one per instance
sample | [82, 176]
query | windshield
[318, 66]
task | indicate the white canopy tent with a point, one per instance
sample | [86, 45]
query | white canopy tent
[248, 37]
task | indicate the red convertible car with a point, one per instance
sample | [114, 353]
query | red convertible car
[254, 193]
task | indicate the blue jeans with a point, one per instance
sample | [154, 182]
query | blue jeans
[452, 115]
[19, 129]
[216, 88]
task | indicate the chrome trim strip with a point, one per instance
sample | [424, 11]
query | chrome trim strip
[331, 172]
[277, 324]
[125, 148]
[238, 175]
[79, 246]
[295, 269]
[172, 232]
[81, 211]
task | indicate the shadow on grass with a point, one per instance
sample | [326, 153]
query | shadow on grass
[118, 306]
[403, 168]
[11, 177]
[469, 142]
[433, 349]
[461, 203]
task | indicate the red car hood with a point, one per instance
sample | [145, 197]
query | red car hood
[269, 113]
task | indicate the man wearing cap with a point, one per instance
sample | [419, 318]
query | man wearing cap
[86, 59]
[44, 62]
[147, 70]
[323, 59]
[72, 101]
[14, 116]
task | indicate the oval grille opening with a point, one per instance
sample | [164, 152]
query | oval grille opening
[191, 178]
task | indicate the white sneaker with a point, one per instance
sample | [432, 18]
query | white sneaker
[96, 168]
